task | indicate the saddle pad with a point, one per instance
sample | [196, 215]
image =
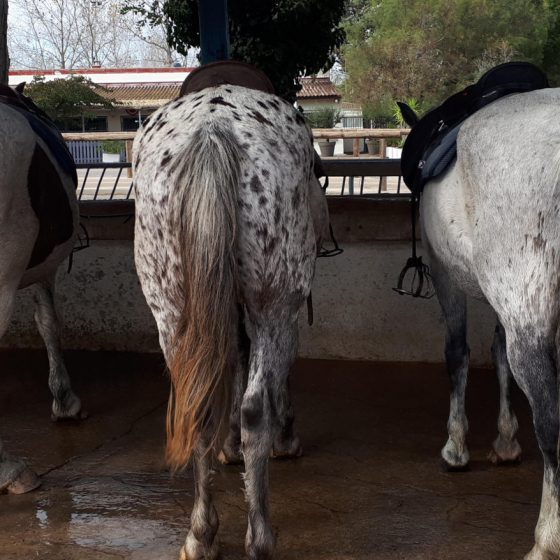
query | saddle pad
[51, 205]
[431, 145]
[227, 72]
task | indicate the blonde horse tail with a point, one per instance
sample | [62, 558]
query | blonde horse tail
[207, 178]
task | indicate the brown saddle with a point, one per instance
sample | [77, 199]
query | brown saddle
[226, 72]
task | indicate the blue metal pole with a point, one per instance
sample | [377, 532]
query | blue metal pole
[214, 30]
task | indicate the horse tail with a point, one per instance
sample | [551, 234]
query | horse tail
[207, 177]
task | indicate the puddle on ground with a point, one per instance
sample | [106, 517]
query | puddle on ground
[143, 515]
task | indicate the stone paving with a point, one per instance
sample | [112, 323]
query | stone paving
[369, 486]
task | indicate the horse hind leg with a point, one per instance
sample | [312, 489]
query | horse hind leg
[532, 359]
[15, 476]
[66, 405]
[231, 453]
[286, 443]
[455, 453]
[506, 448]
[201, 543]
[273, 351]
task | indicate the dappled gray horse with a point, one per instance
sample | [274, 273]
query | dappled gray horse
[491, 225]
[229, 215]
[38, 227]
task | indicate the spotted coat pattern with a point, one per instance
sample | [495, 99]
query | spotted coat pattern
[280, 218]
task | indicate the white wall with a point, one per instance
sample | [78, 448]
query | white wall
[357, 314]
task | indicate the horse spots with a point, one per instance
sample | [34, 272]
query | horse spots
[212, 110]
[248, 135]
[256, 185]
[263, 105]
[166, 158]
[263, 200]
[539, 243]
[274, 104]
[259, 117]
[252, 412]
[263, 232]
[221, 101]
[270, 244]
[266, 173]
[300, 119]
[277, 214]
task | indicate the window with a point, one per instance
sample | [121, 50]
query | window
[73, 124]
[95, 124]
[82, 124]
[130, 124]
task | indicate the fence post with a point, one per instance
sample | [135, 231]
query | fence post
[129, 157]
[383, 155]
[356, 147]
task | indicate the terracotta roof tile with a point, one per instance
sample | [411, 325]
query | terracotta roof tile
[142, 95]
[154, 95]
[318, 87]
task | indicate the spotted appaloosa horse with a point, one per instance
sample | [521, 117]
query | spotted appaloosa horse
[229, 215]
[36, 237]
[491, 225]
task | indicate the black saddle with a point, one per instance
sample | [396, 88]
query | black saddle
[431, 145]
[48, 196]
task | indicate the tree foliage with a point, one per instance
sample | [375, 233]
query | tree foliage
[284, 38]
[71, 97]
[428, 49]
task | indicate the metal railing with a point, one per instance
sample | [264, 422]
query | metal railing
[347, 177]
[104, 181]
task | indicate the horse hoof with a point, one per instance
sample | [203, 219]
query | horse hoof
[289, 453]
[287, 449]
[81, 415]
[505, 454]
[455, 460]
[26, 481]
[229, 457]
[537, 553]
[195, 550]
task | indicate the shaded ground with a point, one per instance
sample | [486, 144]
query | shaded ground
[369, 486]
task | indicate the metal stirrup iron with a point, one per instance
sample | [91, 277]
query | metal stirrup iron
[421, 285]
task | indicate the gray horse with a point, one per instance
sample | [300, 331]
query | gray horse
[228, 218]
[30, 180]
[491, 227]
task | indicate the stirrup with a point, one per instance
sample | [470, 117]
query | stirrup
[421, 285]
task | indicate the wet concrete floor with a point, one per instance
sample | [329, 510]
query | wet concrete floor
[370, 484]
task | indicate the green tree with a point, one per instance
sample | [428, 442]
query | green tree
[284, 38]
[75, 96]
[551, 51]
[428, 49]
